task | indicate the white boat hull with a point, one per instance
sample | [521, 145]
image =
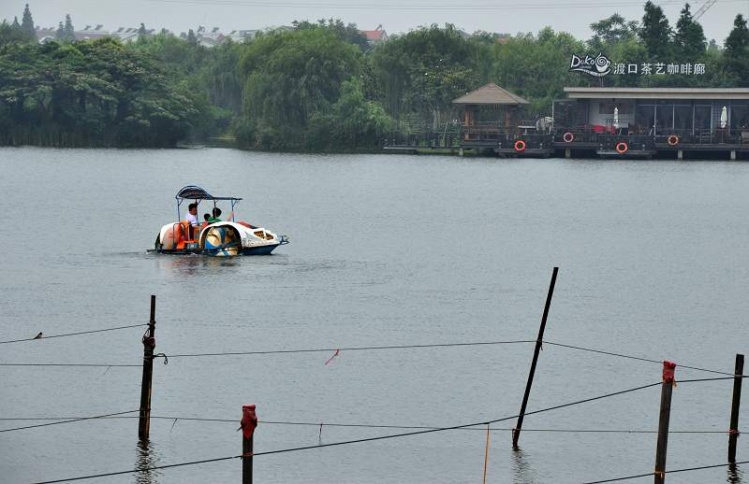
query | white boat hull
[221, 239]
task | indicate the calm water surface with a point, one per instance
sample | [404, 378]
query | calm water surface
[385, 251]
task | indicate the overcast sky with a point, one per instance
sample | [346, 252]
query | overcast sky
[395, 16]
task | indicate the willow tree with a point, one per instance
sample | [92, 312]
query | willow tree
[291, 77]
[536, 67]
[420, 73]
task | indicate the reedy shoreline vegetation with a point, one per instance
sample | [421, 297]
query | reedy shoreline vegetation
[317, 87]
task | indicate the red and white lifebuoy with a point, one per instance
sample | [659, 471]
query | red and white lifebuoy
[673, 140]
[621, 147]
[520, 145]
[568, 137]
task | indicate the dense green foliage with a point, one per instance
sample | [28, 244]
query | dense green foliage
[96, 93]
[319, 86]
[736, 55]
[293, 81]
[656, 33]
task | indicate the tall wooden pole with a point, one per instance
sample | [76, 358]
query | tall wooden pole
[733, 433]
[669, 370]
[539, 341]
[149, 344]
[248, 425]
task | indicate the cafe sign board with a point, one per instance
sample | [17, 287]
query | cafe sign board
[601, 66]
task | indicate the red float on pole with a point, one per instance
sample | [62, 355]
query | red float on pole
[248, 425]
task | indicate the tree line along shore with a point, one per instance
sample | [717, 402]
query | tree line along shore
[317, 87]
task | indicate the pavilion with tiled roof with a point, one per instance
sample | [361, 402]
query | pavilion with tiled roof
[500, 104]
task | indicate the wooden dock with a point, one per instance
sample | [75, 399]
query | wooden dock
[582, 144]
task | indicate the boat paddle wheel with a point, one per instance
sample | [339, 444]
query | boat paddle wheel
[222, 241]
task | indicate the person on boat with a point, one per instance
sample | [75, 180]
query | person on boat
[206, 221]
[192, 214]
[192, 220]
[216, 214]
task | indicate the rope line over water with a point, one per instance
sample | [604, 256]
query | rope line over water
[233, 421]
[701, 380]
[272, 352]
[674, 471]
[352, 348]
[41, 336]
[69, 421]
[356, 441]
[145, 469]
[620, 355]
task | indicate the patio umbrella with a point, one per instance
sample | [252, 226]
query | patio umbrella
[723, 117]
[616, 118]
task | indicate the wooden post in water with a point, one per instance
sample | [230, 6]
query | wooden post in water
[149, 344]
[248, 425]
[733, 433]
[539, 341]
[669, 370]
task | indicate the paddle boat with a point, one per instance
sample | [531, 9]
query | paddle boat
[222, 238]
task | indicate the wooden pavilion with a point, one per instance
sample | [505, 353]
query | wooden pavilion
[492, 121]
[487, 102]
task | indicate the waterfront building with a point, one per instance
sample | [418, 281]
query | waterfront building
[653, 122]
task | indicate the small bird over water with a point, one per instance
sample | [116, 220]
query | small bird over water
[39, 336]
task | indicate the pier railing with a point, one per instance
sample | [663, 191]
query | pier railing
[671, 137]
[493, 136]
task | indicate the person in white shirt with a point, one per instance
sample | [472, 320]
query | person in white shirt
[192, 214]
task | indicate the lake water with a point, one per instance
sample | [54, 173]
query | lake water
[385, 251]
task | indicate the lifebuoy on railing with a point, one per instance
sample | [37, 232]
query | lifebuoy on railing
[673, 140]
[568, 137]
[621, 147]
[519, 145]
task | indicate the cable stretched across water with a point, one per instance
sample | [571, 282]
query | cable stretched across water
[233, 421]
[273, 352]
[356, 441]
[41, 336]
[350, 348]
[69, 421]
[367, 348]
[673, 471]
[638, 358]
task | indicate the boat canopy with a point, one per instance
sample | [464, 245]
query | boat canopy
[192, 192]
